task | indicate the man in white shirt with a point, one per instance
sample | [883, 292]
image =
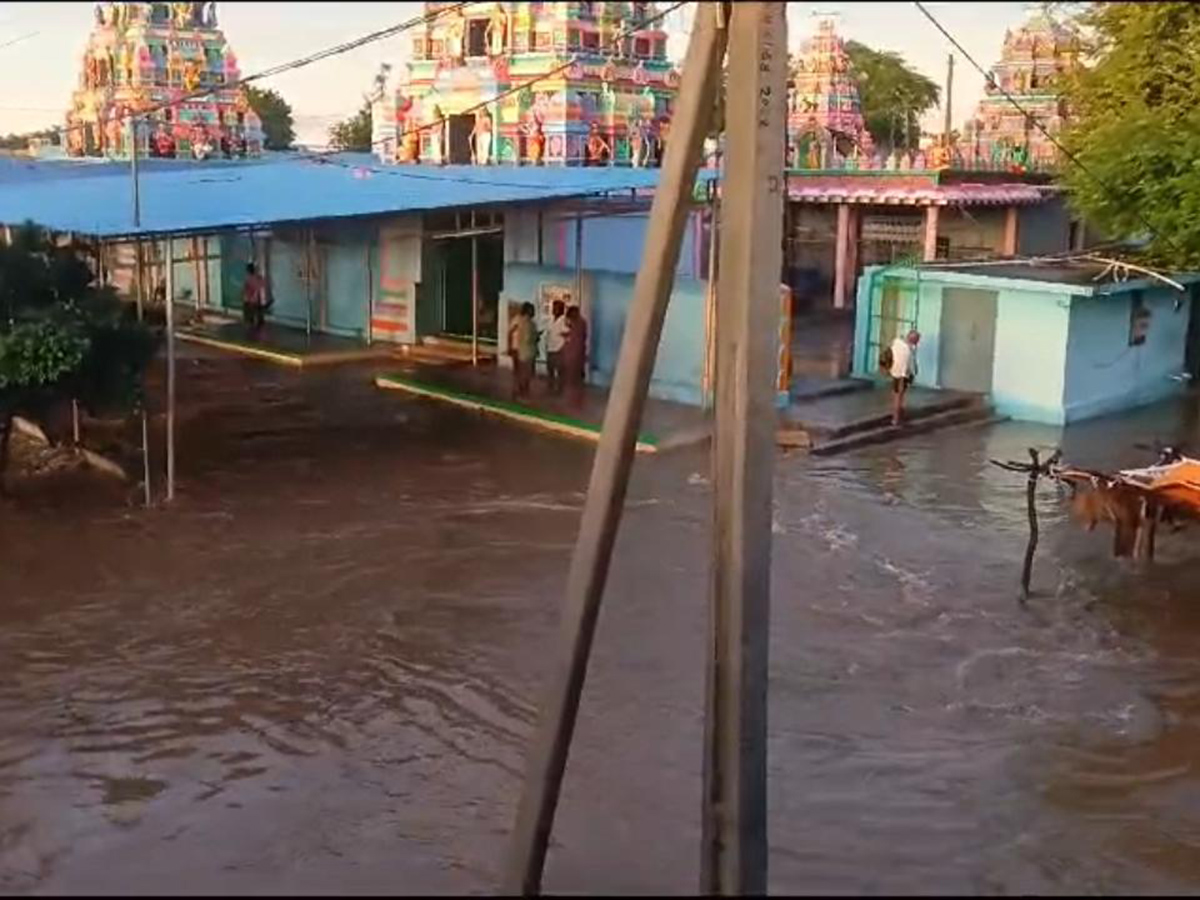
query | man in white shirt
[556, 337]
[903, 371]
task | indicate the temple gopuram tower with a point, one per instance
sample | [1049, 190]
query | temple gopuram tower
[142, 55]
[606, 73]
[1032, 64]
[824, 111]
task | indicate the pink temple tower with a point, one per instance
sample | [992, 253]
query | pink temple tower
[531, 83]
[825, 118]
[141, 56]
[1034, 60]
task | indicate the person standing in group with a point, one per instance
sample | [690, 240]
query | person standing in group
[574, 356]
[900, 361]
[522, 349]
[254, 300]
[556, 338]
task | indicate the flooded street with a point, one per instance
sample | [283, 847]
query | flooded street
[318, 671]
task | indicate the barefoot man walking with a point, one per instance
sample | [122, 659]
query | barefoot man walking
[903, 371]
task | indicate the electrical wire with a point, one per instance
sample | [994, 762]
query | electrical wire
[1032, 120]
[18, 40]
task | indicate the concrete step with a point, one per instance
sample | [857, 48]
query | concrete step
[914, 415]
[805, 389]
[974, 413]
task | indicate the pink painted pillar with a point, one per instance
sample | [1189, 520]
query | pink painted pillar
[931, 233]
[1011, 225]
[841, 260]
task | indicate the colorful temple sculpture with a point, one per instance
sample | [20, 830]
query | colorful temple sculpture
[154, 58]
[825, 121]
[600, 87]
[1035, 59]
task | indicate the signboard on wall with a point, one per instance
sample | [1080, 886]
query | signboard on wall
[394, 316]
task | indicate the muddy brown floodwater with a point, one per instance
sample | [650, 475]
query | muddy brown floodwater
[318, 671]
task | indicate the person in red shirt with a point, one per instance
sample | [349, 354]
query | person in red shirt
[574, 356]
[254, 300]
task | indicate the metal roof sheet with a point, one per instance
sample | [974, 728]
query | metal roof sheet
[176, 197]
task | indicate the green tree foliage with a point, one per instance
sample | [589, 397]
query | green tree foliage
[276, 115]
[894, 96]
[353, 134]
[63, 336]
[1136, 127]
[21, 141]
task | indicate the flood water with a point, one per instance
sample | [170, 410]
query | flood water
[318, 671]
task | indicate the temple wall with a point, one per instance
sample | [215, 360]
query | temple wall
[1045, 228]
[974, 233]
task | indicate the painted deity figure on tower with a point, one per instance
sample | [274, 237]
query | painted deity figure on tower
[481, 138]
[497, 31]
[535, 139]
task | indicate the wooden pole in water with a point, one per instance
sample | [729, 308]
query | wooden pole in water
[614, 455]
[1031, 506]
[734, 824]
[170, 303]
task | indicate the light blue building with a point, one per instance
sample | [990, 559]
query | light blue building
[1049, 342]
[435, 256]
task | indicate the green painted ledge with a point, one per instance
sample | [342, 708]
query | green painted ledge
[539, 418]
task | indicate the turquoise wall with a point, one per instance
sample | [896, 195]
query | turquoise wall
[610, 244]
[922, 308]
[344, 288]
[1103, 373]
[678, 371]
[1031, 347]
[1062, 354]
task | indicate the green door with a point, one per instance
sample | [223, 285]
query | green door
[967, 342]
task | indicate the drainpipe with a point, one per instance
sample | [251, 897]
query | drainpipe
[170, 300]
[370, 297]
[308, 280]
[579, 282]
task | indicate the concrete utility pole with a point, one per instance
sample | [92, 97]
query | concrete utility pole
[747, 315]
[734, 856]
[949, 96]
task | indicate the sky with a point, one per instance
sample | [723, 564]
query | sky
[41, 43]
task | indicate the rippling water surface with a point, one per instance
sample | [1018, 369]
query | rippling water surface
[319, 670]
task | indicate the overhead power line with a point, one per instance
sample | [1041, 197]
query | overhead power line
[18, 40]
[1033, 120]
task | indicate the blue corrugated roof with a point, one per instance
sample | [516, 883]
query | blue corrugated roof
[97, 198]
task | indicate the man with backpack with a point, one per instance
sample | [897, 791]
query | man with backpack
[900, 362]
